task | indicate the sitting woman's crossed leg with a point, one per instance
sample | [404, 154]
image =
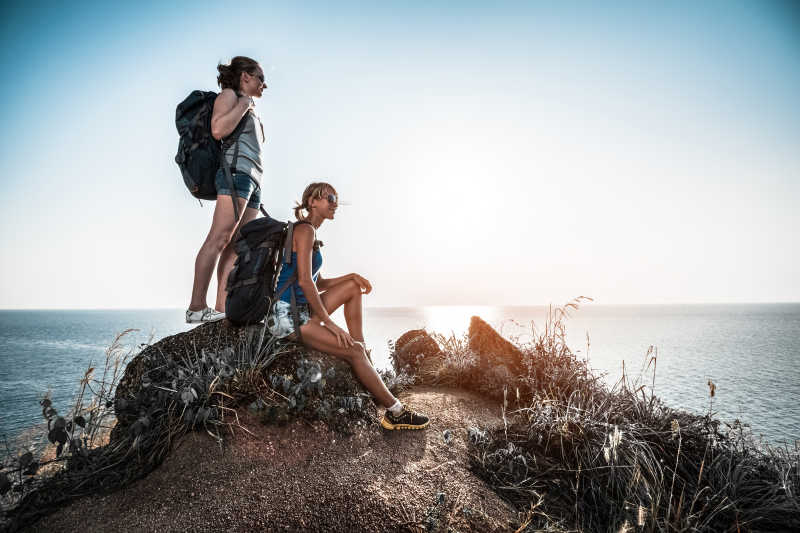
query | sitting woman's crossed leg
[316, 298]
[321, 338]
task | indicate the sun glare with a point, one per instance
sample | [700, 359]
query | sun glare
[454, 319]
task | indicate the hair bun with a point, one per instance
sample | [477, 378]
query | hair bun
[229, 73]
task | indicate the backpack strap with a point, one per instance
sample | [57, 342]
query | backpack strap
[287, 253]
[229, 177]
[258, 186]
[227, 142]
[232, 187]
[292, 304]
[286, 285]
[287, 245]
[296, 315]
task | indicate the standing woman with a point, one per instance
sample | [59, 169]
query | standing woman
[317, 297]
[241, 81]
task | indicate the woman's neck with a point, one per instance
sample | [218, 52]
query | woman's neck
[316, 220]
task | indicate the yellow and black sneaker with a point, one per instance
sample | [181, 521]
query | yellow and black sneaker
[405, 420]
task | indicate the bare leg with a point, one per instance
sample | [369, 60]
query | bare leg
[222, 228]
[228, 256]
[349, 294]
[320, 338]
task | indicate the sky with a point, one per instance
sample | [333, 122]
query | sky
[503, 153]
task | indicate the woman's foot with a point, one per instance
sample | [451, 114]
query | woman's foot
[203, 315]
[404, 420]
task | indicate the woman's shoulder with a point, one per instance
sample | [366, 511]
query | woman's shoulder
[304, 230]
[224, 102]
[303, 236]
[227, 94]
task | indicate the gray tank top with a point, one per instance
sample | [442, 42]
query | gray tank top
[251, 142]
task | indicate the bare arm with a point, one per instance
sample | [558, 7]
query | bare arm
[325, 284]
[303, 244]
[228, 111]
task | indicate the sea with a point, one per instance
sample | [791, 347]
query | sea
[751, 352]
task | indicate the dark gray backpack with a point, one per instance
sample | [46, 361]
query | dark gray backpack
[264, 246]
[199, 153]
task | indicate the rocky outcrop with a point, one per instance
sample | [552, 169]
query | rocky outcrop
[216, 337]
[302, 447]
[308, 477]
[192, 372]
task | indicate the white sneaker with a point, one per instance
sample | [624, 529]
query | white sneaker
[204, 315]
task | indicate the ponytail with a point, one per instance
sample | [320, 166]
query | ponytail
[231, 74]
[314, 190]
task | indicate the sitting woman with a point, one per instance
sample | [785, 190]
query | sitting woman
[316, 298]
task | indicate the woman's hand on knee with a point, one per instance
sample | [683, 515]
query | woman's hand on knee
[363, 283]
[343, 338]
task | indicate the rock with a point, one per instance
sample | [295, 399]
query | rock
[182, 369]
[214, 336]
[415, 351]
[494, 352]
[490, 364]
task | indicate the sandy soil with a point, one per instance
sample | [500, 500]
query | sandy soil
[303, 477]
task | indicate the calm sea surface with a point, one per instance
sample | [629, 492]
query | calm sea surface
[750, 351]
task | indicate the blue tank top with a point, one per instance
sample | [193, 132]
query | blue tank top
[289, 269]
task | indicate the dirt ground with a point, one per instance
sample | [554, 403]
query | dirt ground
[303, 477]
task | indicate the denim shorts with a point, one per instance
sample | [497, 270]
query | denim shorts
[245, 187]
[280, 322]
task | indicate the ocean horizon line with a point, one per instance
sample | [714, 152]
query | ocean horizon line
[514, 305]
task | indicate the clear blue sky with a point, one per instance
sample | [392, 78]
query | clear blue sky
[491, 153]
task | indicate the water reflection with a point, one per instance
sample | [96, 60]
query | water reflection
[454, 319]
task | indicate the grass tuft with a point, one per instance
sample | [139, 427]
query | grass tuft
[124, 424]
[574, 454]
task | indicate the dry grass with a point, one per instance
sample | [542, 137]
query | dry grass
[575, 455]
[51, 469]
[94, 452]
[82, 457]
[456, 366]
[572, 454]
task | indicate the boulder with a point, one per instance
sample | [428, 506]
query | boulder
[488, 365]
[279, 380]
[212, 337]
[415, 351]
[493, 351]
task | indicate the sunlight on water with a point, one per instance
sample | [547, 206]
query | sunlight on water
[41, 350]
[447, 319]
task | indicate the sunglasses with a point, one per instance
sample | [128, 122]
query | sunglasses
[259, 76]
[332, 198]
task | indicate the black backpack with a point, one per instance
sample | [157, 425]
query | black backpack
[199, 153]
[263, 247]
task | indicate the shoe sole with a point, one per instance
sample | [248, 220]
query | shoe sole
[205, 321]
[385, 424]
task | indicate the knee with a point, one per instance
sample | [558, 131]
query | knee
[218, 240]
[353, 289]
